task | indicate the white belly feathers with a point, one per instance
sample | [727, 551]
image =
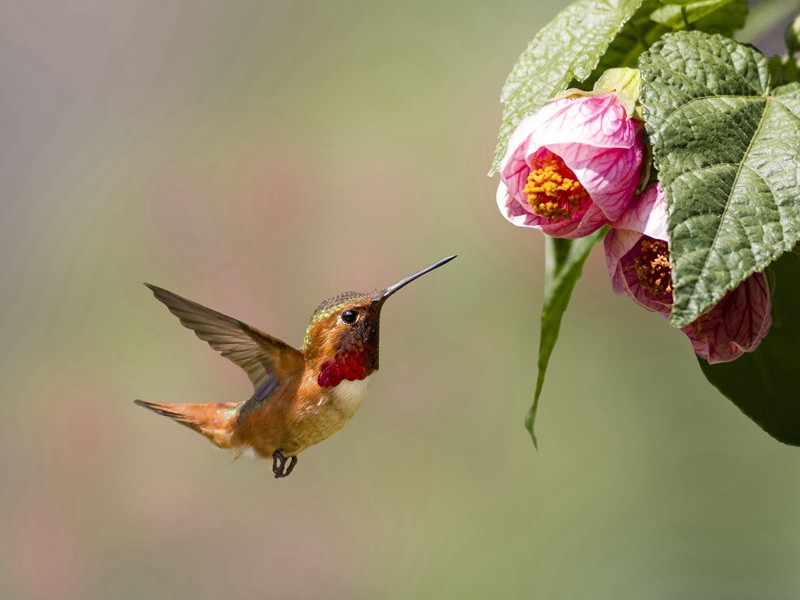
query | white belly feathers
[349, 395]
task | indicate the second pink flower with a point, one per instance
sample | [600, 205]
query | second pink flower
[638, 260]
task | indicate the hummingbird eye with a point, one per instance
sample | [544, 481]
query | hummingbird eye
[349, 316]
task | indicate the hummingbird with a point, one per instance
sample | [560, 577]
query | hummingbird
[300, 397]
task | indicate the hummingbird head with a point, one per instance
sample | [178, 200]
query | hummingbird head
[342, 337]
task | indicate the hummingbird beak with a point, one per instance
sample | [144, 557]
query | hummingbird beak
[382, 295]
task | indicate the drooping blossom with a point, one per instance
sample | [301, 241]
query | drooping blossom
[637, 253]
[637, 256]
[734, 325]
[572, 166]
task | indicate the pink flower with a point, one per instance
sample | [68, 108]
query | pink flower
[637, 256]
[571, 167]
[637, 253]
[734, 325]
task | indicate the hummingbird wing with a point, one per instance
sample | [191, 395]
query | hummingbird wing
[266, 359]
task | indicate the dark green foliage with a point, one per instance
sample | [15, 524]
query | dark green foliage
[765, 384]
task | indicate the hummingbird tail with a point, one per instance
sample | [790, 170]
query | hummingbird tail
[215, 420]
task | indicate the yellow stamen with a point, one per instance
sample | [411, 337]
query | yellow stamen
[553, 190]
[652, 267]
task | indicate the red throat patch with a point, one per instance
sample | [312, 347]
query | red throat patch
[352, 367]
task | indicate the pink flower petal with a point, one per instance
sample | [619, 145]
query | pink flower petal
[624, 278]
[598, 121]
[596, 139]
[522, 214]
[609, 175]
[736, 324]
[617, 243]
[645, 217]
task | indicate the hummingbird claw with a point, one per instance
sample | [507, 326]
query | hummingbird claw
[279, 462]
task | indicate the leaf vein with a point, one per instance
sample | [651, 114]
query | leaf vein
[723, 216]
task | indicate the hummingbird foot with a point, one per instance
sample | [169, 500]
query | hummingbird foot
[279, 462]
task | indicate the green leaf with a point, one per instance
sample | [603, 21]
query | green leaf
[727, 20]
[726, 148]
[636, 36]
[677, 2]
[791, 35]
[563, 267]
[784, 69]
[765, 384]
[643, 29]
[566, 49]
[711, 16]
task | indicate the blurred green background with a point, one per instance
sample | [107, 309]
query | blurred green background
[259, 156]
